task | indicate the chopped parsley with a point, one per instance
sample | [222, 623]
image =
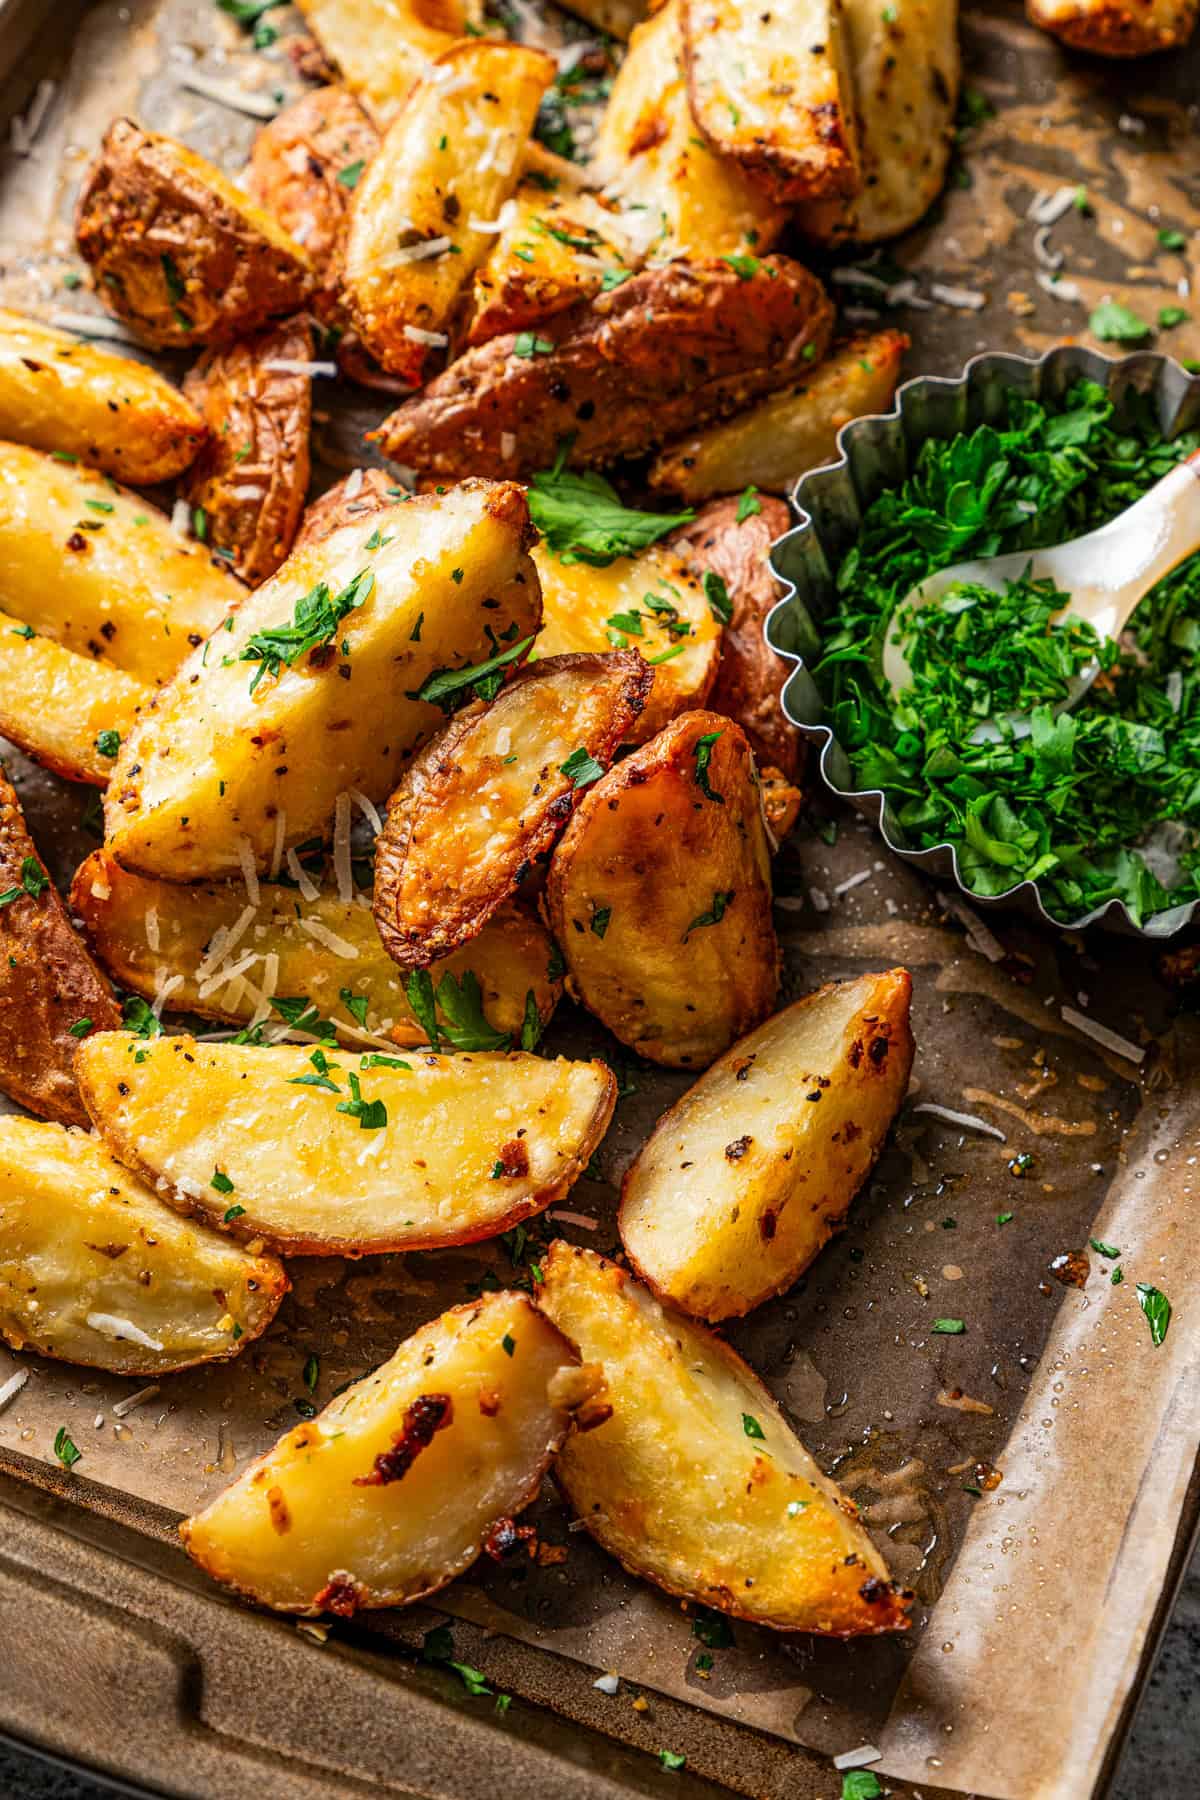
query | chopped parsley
[600, 919]
[1114, 323]
[1172, 240]
[371, 1114]
[80, 1028]
[744, 267]
[749, 503]
[583, 519]
[704, 750]
[221, 1182]
[355, 1005]
[349, 176]
[672, 1759]
[1157, 1309]
[1108, 1250]
[714, 915]
[312, 1372]
[531, 1024]
[315, 621]
[448, 688]
[528, 343]
[948, 1327]
[717, 595]
[140, 1018]
[34, 881]
[712, 1628]
[459, 1000]
[861, 1784]
[508, 1344]
[581, 768]
[302, 1015]
[108, 742]
[65, 1448]
[751, 1426]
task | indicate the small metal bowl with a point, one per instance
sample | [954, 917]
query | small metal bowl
[877, 452]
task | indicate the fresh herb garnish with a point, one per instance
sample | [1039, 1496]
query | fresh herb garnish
[861, 1784]
[371, 1114]
[66, 1450]
[1108, 1250]
[349, 176]
[751, 1426]
[315, 620]
[704, 750]
[108, 742]
[140, 1018]
[463, 1022]
[748, 505]
[672, 1759]
[80, 1028]
[712, 1628]
[528, 343]
[34, 881]
[717, 595]
[1157, 1309]
[713, 916]
[600, 919]
[948, 1327]
[531, 1024]
[1114, 323]
[355, 1005]
[221, 1182]
[447, 688]
[581, 768]
[582, 518]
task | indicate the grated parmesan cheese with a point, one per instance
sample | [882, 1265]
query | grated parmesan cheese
[1111, 1040]
[291, 365]
[583, 1220]
[245, 850]
[151, 924]
[165, 986]
[368, 810]
[353, 484]
[963, 299]
[181, 518]
[508, 445]
[1048, 209]
[301, 877]
[341, 849]
[968, 1121]
[416, 334]
[132, 1400]
[248, 490]
[323, 935]
[395, 259]
[112, 1325]
[226, 974]
[24, 130]
[277, 846]
[857, 1759]
[1061, 290]
[12, 1387]
[225, 93]
[94, 326]
[224, 941]
[852, 881]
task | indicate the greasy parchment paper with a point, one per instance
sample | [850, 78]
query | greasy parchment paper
[1035, 1596]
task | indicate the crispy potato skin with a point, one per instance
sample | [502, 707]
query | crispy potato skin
[674, 1487]
[1116, 27]
[392, 1490]
[652, 851]
[773, 443]
[509, 958]
[667, 350]
[381, 47]
[374, 492]
[178, 252]
[749, 1174]
[80, 1237]
[532, 273]
[486, 800]
[60, 393]
[619, 18]
[295, 166]
[258, 420]
[55, 703]
[48, 982]
[298, 1164]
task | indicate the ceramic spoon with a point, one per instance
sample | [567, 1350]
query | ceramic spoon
[1106, 572]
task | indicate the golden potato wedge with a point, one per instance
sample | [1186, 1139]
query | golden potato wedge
[68, 712]
[60, 393]
[775, 442]
[671, 348]
[94, 1269]
[179, 253]
[100, 570]
[51, 992]
[554, 251]
[250, 481]
[905, 65]
[317, 686]
[438, 1150]
[659, 893]
[1117, 27]
[750, 1173]
[444, 169]
[678, 196]
[651, 603]
[485, 801]
[697, 1482]
[305, 164]
[197, 936]
[399, 1484]
[382, 47]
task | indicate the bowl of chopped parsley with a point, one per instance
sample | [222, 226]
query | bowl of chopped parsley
[1095, 816]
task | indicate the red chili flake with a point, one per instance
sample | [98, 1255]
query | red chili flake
[428, 1414]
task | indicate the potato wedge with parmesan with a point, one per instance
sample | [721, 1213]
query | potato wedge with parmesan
[304, 166]
[1117, 27]
[60, 393]
[324, 1154]
[96, 1270]
[221, 956]
[697, 1482]
[68, 712]
[556, 249]
[485, 801]
[409, 1474]
[328, 676]
[381, 48]
[750, 1173]
[660, 895]
[424, 212]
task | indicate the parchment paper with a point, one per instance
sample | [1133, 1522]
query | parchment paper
[1034, 1595]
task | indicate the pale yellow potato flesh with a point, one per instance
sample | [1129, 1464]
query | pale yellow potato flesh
[142, 929]
[95, 1269]
[449, 162]
[471, 1143]
[678, 196]
[750, 1173]
[394, 1489]
[796, 429]
[697, 1482]
[1117, 27]
[208, 771]
[55, 703]
[655, 589]
[100, 569]
[58, 392]
[382, 47]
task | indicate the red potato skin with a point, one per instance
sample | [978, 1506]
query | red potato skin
[294, 168]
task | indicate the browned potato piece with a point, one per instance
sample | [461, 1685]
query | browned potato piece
[553, 252]
[305, 164]
[51, 992]
[660, 895]
[60, 707]
[412, 1152]
[382, 47]
[781, 802]
[752, 675]
[749, 1174]
[59, 393]
[178, 252]
[356, 497]
[697, 1482]
[615, 17]
[251, 479]
[404, 1478]
[789, 432]
[487, 798]
[669, 349]
[224, 952]
[1117, 27]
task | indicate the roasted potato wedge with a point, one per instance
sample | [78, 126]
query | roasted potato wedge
[772, 444]
[446, 166]
[250, 481]
[678, 196]
[94, 1269]
[247, 750]
[660, 895]
[382, 47]
[697, 1482]
[781, 800]
[100, 570]
[669, 349]
[305, 164]
[69, 712]
[203, 933]
[1117, 27]
[750, 1173]
[51, 992]
[398, 1485]
[487, 798]
[178, 252]
[555, 251]
[651, 603]
[441, 1150]
[617, 18]
[357, 496]
[61, 394]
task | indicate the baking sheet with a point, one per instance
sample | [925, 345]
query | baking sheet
[1057, 1569]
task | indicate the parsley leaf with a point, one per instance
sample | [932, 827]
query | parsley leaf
[582, 518]
[531, 1024]
[350, 175]
[751, 1426]
[717, 595]
[948, 1327]
[861, 1784]
[748, 505]
[581, 768]
[672, 1759]
[528, 343]
[139, 1017]
[34, 881]
[1113, 323]
[371, 1114]
[713, 916]
[221, 1182]
[463, 1020]
[355, 1005]
[108, 742]
[315, 621]
[1157, 1309]
[704, 750]
[66, 1450]
[447, 688]
[600, 919]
